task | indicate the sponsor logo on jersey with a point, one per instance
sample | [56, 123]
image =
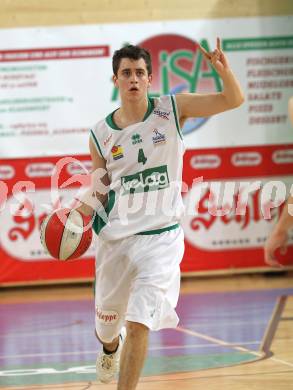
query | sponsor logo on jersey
[136, 139]
[162, 114]
[151, 179]
[158, 137]
[117, 152]
[107, 140]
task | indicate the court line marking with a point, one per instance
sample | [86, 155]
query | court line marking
[264, 348]
[170, 347]
[55, 386]
[75, 330]
[174, 377]
[282, 361]
[184, 375]
[272, 328]
[267, 339]
[218, 341]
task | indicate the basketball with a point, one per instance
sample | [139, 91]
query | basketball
[65, 235]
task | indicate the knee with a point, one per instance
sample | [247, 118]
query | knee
[135, 329]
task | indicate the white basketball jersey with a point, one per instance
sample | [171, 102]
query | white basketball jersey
[144, 163]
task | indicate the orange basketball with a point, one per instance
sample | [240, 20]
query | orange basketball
[65, 234]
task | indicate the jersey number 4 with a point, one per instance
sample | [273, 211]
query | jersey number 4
[141, 157]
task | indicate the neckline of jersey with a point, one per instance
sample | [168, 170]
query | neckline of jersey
[110, 117]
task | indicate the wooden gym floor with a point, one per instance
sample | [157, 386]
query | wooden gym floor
[235, 333]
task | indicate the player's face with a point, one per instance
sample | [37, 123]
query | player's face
[132, 79]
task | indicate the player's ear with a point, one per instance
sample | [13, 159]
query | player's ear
[150, 77]
[114, 78]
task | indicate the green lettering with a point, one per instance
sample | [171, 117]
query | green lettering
[198, 73]
[177, 70]
[164, 72]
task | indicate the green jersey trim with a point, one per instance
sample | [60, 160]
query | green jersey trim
[110, 118]
[97, 143]
[176, 116]
[151, 106]
[99, 222]
[110, 122]
[159, 231]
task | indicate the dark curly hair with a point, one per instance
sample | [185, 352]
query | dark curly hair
[134, 53]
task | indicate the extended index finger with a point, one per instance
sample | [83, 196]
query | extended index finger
[219, 43]
[204, 52]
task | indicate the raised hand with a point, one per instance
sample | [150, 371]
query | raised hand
[217, 58]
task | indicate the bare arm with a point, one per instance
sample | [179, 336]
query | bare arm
[279, 236]
[97, 194]
[202, 105]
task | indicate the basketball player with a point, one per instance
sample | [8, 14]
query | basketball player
[140, 248]
[279, 236]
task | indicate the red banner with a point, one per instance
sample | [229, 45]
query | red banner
[234, 240]
[224, 234]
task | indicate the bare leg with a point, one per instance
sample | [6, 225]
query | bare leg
[133, 355]
[110, 347]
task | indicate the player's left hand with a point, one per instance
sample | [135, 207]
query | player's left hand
[217, 58]
[277, 240]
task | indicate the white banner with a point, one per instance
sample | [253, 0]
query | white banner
[55, 82]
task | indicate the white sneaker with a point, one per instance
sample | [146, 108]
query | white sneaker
[107, 366]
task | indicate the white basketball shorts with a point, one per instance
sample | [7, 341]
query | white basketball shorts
[138, 280]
